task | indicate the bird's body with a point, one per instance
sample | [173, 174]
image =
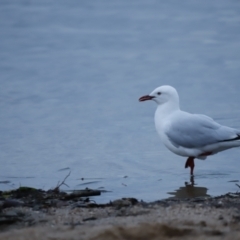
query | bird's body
[186, 134]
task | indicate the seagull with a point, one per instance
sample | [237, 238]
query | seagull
[185, 134]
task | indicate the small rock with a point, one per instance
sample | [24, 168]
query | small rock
[236, 218]
[121, 203]
[12, 203]
[219, 204]
[220, 217]
[36, 208]
[124, 202]
[11, 213]
[203, 224]
[60, 203]
[198, 199]
[7, 220]
[89, 219]
[225, 223]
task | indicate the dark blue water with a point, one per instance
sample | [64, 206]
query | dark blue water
[71, 73]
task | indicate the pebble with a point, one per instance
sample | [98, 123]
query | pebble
[11, 213]
[12, 203]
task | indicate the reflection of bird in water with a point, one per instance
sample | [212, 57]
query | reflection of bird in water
[186, 134]
[189, 191]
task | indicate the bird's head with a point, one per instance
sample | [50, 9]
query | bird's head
[162, 95]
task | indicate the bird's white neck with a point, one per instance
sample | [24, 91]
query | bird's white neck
[167, 108]
[162, 112]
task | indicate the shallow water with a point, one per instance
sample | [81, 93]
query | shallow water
[71, 73]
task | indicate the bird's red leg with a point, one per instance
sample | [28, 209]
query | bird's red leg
[190, 163]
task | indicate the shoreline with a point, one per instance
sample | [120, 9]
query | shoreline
[59, 216]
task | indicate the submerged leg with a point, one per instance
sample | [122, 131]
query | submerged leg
[192, 180]
[190, 163]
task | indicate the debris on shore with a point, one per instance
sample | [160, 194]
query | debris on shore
[55, 211]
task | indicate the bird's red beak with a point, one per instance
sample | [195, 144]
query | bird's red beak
[145, 98]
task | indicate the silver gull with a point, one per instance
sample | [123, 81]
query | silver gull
[186, 134]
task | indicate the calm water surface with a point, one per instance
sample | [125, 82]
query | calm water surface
[71, 73]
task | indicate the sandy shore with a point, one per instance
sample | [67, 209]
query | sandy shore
[198, 218]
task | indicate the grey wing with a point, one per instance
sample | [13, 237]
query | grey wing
[195, 130]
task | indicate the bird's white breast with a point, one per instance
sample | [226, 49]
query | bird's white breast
[163, 123]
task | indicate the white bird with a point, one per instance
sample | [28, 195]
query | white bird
[186, 134]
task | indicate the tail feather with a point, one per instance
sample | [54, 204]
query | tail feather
[232, 139]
